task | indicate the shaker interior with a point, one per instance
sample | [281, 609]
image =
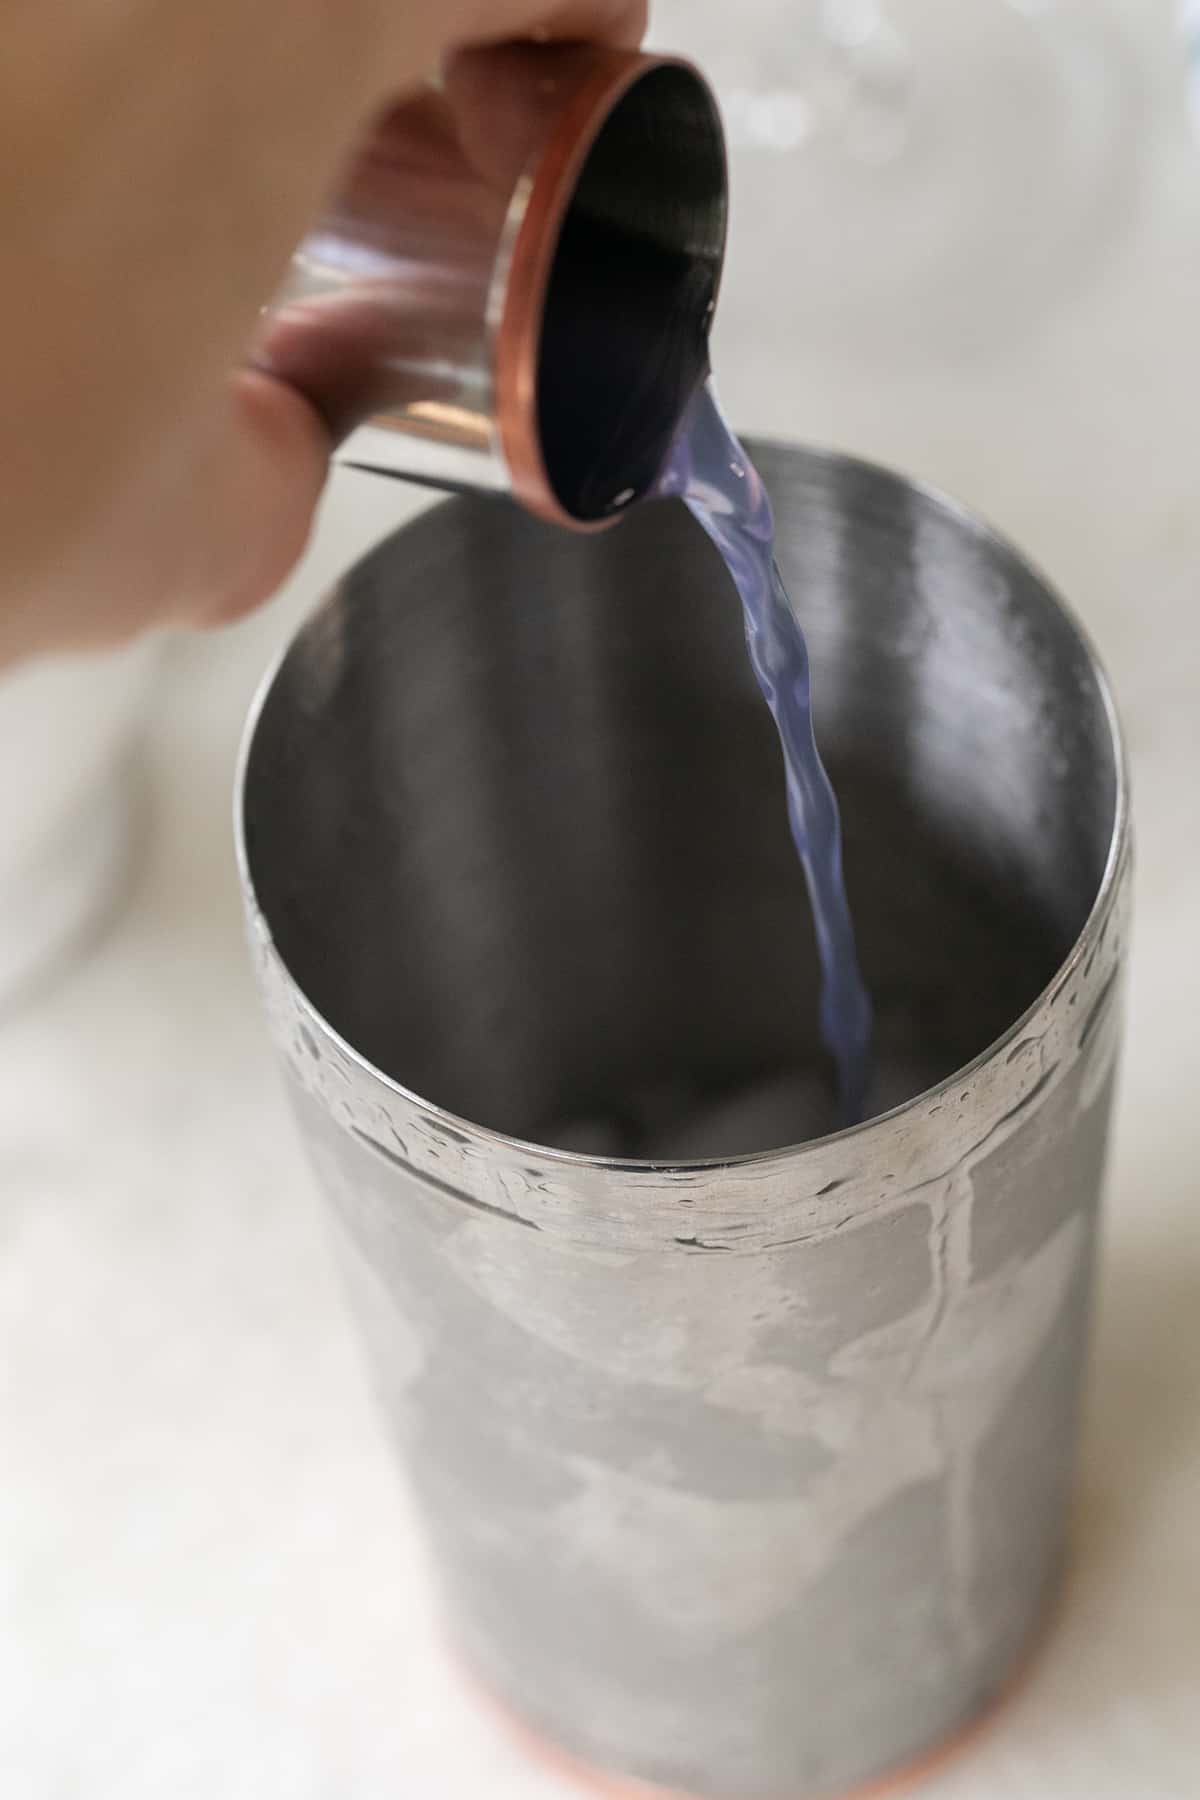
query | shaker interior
[624, 339]
[514, 809]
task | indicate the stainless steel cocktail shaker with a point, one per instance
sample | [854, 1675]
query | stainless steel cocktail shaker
[516, 284]
[745, 1476]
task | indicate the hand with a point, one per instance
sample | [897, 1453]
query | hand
[159, 161]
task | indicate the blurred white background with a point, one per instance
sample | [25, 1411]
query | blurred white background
[966, 241]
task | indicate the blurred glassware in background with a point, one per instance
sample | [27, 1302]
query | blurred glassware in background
[1189, 20]
[943, 173]
[69, 793]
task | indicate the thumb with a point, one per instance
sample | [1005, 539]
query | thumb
[259, 477]
[209, 528]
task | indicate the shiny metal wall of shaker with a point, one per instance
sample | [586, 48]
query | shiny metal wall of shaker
[745, 1477]
[516, 284]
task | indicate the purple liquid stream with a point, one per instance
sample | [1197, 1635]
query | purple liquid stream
[711, 472]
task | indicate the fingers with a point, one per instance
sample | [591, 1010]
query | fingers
[257, 477]
[621, 22]
[256, 495]
[406, 39]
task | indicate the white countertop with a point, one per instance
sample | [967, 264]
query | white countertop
[211, 1587]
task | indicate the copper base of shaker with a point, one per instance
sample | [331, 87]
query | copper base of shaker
[898, 1781]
